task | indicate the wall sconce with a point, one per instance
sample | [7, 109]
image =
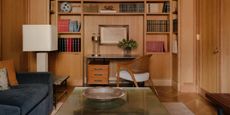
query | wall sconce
[96, 45]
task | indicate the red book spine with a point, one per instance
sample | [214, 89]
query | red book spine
[70, 44]
[63, 25]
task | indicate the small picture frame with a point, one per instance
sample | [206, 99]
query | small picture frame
[112, 34]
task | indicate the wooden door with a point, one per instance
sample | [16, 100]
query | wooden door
[209, 56]
[225, 46]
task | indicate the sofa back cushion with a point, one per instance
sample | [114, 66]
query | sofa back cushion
[11, 74]
[3, 79]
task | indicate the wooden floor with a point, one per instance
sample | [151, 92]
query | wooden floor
[197, 104]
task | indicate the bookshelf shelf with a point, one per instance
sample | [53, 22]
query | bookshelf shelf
[113, 1]
[78, 33]
[115, 14]
[151, 14]
[159, 53]
[69, 0]
[60, 13]
[150, 33]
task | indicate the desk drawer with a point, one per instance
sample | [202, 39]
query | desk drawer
[98, 80]
[98, 67]
[98, 74]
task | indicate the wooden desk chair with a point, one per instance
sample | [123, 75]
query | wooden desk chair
[136, 71]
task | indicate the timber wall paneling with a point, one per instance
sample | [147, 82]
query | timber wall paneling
[0, 29]
[209, 30]
[225, 46]
[13, 15]
[187, 62]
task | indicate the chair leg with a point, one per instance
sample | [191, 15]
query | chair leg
[152, 86]
[118, 81]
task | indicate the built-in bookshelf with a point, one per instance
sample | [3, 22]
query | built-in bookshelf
[160, 34]
[69, 23]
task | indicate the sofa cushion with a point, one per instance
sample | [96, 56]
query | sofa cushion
[24, 96]
[3, 79]
[11, 74]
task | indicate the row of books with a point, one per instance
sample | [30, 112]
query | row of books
[131, 7]
[155, 46]
[166, 7]
[157, 25]
[158, 7]
[175, 25]
[69, 44]
[67, 25]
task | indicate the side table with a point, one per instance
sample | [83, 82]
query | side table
[59, 88]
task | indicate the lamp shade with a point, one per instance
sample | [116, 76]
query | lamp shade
[39, 38]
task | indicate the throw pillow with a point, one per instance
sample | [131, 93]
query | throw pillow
[3, 79]
[11, 74]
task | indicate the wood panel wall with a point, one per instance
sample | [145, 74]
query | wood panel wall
[91, 26]
[37, 13]
[187, 78]
[225, 46]
[1, 30]
[209, 28]
[13, 15]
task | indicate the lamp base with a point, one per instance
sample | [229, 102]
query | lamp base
[42, 62]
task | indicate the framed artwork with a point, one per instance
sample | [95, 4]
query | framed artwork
[112, 34]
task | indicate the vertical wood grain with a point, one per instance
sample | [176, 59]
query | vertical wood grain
[187, 62]
[225, 46]
[0, 29]
[13, 16]
[210, 36]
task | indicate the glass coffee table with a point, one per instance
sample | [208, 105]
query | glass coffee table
[137, 101]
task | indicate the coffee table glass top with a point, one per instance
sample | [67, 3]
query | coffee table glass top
[137, 101]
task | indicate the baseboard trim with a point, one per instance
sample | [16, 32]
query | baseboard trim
[158, 82]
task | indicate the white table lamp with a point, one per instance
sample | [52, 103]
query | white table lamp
[40, 39]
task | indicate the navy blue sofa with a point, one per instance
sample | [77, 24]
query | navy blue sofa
[33, 95]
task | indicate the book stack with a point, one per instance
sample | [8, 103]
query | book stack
[131, 7]
[155, 7]
[166, 7]
[157, 25]
[107, 11]
[69, 44]
[63, 25]
[90, 7]
[66, 25]
[175, 25]
[155, 46]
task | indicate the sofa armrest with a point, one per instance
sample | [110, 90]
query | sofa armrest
[9, 110]
[38, 78]
[35, 77]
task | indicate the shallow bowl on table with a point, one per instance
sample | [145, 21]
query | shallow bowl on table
[103, 93]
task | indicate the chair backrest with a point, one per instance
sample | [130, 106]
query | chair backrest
[141, 64]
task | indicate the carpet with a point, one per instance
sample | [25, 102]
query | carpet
[177, 108]
[174, 108]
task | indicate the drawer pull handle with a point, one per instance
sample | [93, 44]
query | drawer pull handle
[98, 80]
[98, 69]
[98, 74]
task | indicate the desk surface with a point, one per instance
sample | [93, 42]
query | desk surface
[137, 101]
[111, 56]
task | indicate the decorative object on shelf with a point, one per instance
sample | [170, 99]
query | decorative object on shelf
[96, 47]
[40, 39]
[66, 7]
[127, 45]
[112, 34]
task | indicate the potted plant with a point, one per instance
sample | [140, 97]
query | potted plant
[127, 45]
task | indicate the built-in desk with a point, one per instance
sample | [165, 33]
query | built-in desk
[98, 68]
